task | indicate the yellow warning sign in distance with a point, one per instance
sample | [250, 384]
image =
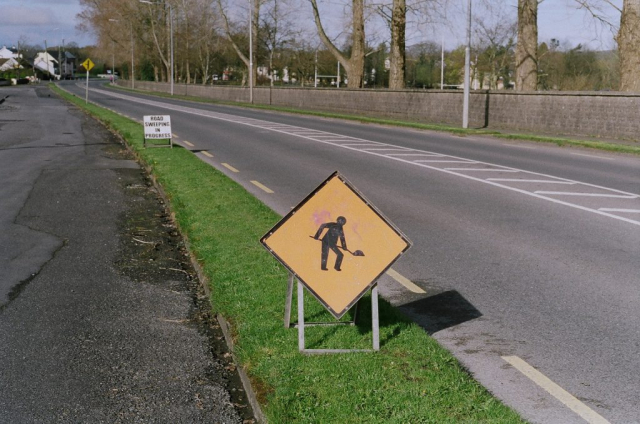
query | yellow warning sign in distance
[336, 243]
[88, 65]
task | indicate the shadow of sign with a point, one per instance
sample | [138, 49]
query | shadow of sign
[441, 311]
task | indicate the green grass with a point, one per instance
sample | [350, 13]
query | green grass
[560, 141]
[410, 380]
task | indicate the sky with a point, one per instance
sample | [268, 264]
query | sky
[55, 20]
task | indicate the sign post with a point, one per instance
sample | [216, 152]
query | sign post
[157, 127]
[336, 244]
[88, 65]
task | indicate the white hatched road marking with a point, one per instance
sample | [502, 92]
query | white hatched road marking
[516, 180]
[357, 142]
[562, 193]
[619, 210]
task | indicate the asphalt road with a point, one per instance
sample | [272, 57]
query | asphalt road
[522, 251]
[98, 303]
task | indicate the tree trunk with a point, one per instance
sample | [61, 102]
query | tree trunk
[629, 46]
[356, 71]
[527, 47]
[354, 66]
[397, 59]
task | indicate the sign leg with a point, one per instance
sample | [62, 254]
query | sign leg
[300, 317]
[86, 92]
[287, 303]
[375, 320]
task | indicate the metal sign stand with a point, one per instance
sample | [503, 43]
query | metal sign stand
[375, 320]
[144, 143]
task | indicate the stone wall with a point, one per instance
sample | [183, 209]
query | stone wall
[597, 114]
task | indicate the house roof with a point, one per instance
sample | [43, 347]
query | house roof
[68, 55]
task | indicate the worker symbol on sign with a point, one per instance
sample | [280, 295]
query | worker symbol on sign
[330, 241]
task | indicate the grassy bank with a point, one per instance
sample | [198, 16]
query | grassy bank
[411, 380]
[560, 141]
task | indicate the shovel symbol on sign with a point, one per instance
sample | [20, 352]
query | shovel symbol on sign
[330, 242]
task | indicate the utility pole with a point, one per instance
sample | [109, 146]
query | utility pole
[133, 74]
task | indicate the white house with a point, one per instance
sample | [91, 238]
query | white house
[11, 59]
[6, 53]
[45, 62]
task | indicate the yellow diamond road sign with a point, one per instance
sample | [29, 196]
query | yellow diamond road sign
[336, 243]
[88, 64]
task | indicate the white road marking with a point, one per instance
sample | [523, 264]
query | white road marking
[391, 149]
[444, 161]
[404, 281]
[372, 144]
[459, 172]
[592, 156]
[518, 145]
[562, 193]
[416, 154]
[229, 167]
[207, 154]
[516, 180]
[556, 391]
[262, 187]
[481, 169]
[619, 210]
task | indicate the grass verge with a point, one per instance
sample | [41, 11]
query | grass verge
[411, 380]
[560, 141]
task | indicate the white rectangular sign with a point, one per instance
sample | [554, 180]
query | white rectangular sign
[157, 126]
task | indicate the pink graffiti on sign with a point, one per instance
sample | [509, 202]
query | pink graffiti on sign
[320, 217]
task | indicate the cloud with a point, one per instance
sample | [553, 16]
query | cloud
[26, 16]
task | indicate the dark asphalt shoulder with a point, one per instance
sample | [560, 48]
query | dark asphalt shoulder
[104, 320]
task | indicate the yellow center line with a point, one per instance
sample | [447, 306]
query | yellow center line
[175, 135]
[229, 167]
[556, 391]
[188, 144]
[207, 154]
[262, 187]
[404, 281]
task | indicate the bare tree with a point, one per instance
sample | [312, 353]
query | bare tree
[354, 65]
[527, 46]
[255, 20]
[497, 40]
[277, 30]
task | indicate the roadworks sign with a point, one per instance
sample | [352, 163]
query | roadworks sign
[336, 243]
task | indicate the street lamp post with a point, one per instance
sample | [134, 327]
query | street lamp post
[467, 70]
[171, 36]
[250, 52]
